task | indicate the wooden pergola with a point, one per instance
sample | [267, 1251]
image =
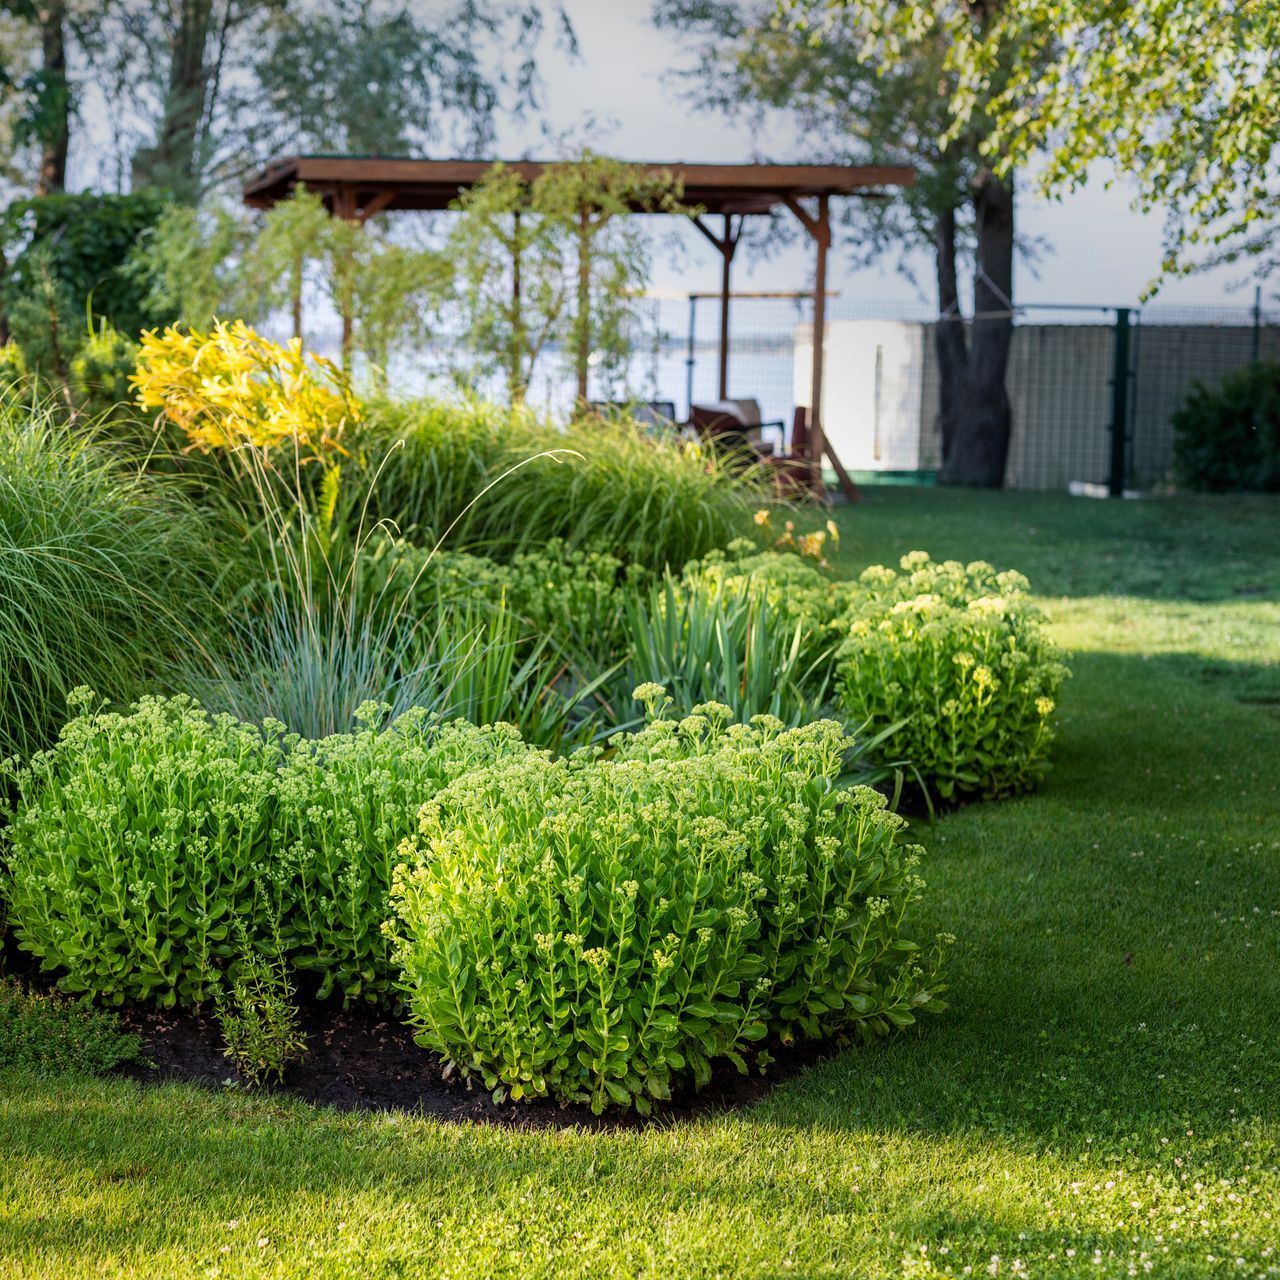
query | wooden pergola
[357, 187]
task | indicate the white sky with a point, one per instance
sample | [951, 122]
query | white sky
[1101, 251]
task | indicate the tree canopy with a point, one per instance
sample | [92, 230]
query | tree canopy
[1181, 97]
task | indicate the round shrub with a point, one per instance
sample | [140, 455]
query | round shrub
[100, 373]
[953, 661]
[138, 844]
[1227, 438]
[599, 928]
[148, 848]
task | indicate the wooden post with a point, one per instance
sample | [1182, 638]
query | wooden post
[819, 446]
[727, 246]
[822, 236]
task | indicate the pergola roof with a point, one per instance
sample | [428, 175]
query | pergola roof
[390, 183]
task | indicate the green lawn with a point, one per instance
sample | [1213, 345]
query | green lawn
[1102, 1098]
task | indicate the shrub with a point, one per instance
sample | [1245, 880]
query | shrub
[598, 929]
[104, 576]
[1227, 438]
[100, 373]
[343, 804]
[44, 1032]
[230, 388]
[145, 845]
[646, 501]
[139, 842]
[14, 374]
[258, 1020]
[955, 657]
[79, 247]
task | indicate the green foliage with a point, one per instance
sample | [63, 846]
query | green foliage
[473, 472]
[189, 264]
[13, 369]
[955, 657]
[148, 848]
[796, 591]
[599, 929]
[43, 1032]
[444, 72]
[258, 1019]
[725, 642]
[558, 261]
[1227, 438]
[103, 576]
[1088, 81]
[511, 277]
[138, 845]
[345, 615]
[100, 373]
[850, 107]
[209, 265]
[76, 248]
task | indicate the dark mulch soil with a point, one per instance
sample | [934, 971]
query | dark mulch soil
[364, 1060]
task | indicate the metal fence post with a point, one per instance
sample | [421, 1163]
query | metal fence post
[1119, 402]
[689, 357]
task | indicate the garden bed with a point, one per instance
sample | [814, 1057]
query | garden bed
[364, 1060]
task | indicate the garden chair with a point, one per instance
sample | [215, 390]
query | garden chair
[736, 426]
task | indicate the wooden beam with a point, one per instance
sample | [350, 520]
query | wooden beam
[436, 184]
[706, 231]
[375, 204]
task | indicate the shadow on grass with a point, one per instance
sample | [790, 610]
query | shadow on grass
[1191, 547]
[1119, 931]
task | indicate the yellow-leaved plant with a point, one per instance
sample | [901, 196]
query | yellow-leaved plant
[229, 387]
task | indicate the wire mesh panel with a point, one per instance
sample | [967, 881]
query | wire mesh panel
[1173, 350]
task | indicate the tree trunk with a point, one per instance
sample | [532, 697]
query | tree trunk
[584, 305]
[516, 382]
[975, 414]
[55, 99]
[173, 163]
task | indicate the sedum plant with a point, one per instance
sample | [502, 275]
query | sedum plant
[148, 849]
[138, 843]
[342, 806]
[956, 658]
[602, 928]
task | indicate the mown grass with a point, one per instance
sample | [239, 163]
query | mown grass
[1100, 1100]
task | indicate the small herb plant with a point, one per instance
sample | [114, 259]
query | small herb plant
[258, 1019]
[954, 656]
[40, 1031]
[603, 927]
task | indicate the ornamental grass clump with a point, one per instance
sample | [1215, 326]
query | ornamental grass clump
[955, 656]
[148, 849]
[602, 928]
[105, 575]
[646, 500]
